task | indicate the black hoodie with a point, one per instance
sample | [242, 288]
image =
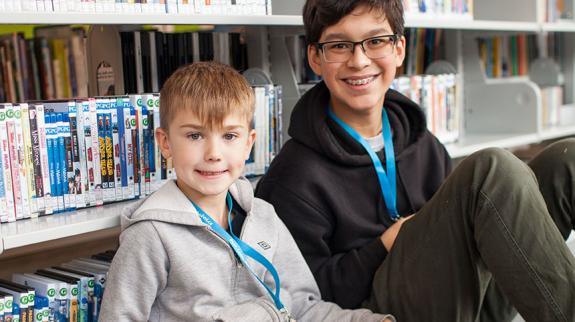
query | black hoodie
[325, 189]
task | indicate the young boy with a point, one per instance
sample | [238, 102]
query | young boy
[360, 163]
[177, 260]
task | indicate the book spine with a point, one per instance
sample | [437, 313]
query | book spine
[145, 150]
[36, 160]
[53, 154]
[6, 169]
[141, 151]
[63, 201]
[122, 148]
[74, 178]
[82, 199]
[27, 160]
[88, 147]
[135, 149]
[59, 160]
[129, 147]
[3, 206]
[116, 150]
[156, 147]
[14, 162]
[98, 180]
[22, 152]
[109, 154]
[102, 149]
[49, 201]
[68, 184]
[150, 105]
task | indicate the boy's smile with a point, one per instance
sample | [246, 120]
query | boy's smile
[358, 85]
[207, 160]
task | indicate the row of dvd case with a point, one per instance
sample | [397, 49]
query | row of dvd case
[68, 292]
[64, 155]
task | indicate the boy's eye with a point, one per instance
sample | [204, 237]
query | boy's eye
[339, 46]
[194, 136]
[376, 41]
[230, 136]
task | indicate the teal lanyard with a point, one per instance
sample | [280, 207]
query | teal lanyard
[242, 250]
[386, 181]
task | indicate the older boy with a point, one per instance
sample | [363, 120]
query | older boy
[179, 257]
[361, 162]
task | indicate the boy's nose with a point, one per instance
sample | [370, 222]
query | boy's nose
[212, 151]
[358, 58]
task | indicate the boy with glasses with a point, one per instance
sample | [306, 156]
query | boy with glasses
[360, 163]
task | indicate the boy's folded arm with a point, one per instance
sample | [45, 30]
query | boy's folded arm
[312, 230]
[298, 282]
[138, 273]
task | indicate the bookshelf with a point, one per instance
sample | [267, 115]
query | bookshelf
[484, 127]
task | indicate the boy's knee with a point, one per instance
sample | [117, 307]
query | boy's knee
[495, 164]
[557, 154]
[496, 159]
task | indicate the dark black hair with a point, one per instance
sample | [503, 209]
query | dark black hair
[320, 14]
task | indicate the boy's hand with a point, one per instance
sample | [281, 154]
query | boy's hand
[389, 236]
[389, 318]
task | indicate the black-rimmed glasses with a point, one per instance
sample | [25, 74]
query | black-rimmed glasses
[339, 51]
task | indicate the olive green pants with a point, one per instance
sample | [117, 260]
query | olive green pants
[494, 219]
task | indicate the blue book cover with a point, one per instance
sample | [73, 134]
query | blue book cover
[107, 177]
[128, 145]
[109, 153]
[63, 174]
[102, 151]
[122, 146]
[51, 137]
[60, 157]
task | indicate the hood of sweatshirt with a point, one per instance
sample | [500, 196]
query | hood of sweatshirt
[170, 205]
[311, 126]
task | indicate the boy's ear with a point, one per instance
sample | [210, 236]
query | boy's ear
[400, 51]
[163, 142]
[250, 143]
[314, 59]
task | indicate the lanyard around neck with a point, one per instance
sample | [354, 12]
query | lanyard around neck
[242, 250]
[386, 181]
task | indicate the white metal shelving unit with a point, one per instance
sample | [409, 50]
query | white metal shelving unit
[557, 132]
[450, 22]
[67, 224]
[147, 19]
[417, 21]
[475, 142]
[560, 26]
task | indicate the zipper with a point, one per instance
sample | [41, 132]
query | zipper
[235, 258]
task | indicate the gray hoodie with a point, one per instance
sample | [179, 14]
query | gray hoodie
[171, 267]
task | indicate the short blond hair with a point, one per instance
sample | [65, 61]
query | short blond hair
[211, 90]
